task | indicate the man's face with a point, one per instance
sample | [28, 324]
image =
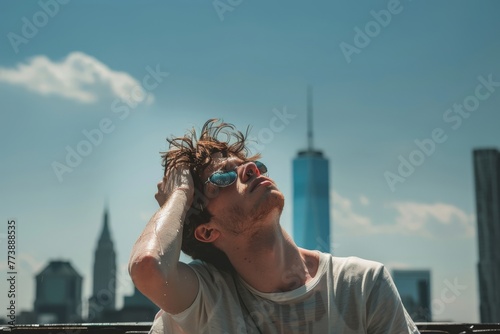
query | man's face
[245, 204]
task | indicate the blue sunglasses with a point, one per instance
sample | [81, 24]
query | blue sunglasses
[222, 178]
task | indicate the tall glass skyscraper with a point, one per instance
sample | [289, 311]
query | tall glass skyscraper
[487, 177]
[311, 195]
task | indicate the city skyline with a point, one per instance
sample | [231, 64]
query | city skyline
[90, 91]
[100, 307]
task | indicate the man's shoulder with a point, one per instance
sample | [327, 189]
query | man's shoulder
[357, 263]
[207, 272]
[354, 268]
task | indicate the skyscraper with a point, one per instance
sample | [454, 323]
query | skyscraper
[311, 196]
[58, 294]
[103, 296]
[487, 179]
[414, 287]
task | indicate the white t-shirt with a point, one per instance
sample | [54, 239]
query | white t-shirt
[347, 295]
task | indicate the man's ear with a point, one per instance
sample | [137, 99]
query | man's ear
[206, 233]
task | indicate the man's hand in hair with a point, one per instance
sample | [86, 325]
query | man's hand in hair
[176, 179]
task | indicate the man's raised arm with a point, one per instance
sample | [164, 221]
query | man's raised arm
[154, 263]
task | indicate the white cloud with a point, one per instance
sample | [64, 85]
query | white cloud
[78, 77]
[343, 214]
[425, 218]
[364, 200]
[31, 261]
[412, 218]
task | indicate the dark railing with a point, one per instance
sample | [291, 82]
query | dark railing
[143, 327]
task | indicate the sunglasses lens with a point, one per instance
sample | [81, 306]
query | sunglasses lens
[223, 179]
[262, 168]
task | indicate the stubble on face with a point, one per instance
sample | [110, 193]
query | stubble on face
[238, 220]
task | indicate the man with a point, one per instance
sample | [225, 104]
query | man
[217, 205]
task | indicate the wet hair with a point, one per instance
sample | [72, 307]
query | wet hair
[196, 153]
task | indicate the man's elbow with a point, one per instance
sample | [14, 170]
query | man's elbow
[142, 269]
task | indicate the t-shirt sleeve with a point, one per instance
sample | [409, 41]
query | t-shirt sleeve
[212, 294]
[384, 310]
[196, 315]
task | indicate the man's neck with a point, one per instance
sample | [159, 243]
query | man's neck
[269, 261]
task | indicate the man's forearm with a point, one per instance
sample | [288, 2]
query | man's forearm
[162, 236]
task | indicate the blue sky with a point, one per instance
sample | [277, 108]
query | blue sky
[70, 67]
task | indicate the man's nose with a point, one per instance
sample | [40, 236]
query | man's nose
[250, 169]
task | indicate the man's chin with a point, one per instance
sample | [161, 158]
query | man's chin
[272, 204]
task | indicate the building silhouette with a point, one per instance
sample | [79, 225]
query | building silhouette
[487, 182]
[138, 307]
[414, 287]
[58, 294]
[311, 197]
[103, 299]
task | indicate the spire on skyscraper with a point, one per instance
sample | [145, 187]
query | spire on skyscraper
[310, 151]
[309, 119]
[105, 234]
